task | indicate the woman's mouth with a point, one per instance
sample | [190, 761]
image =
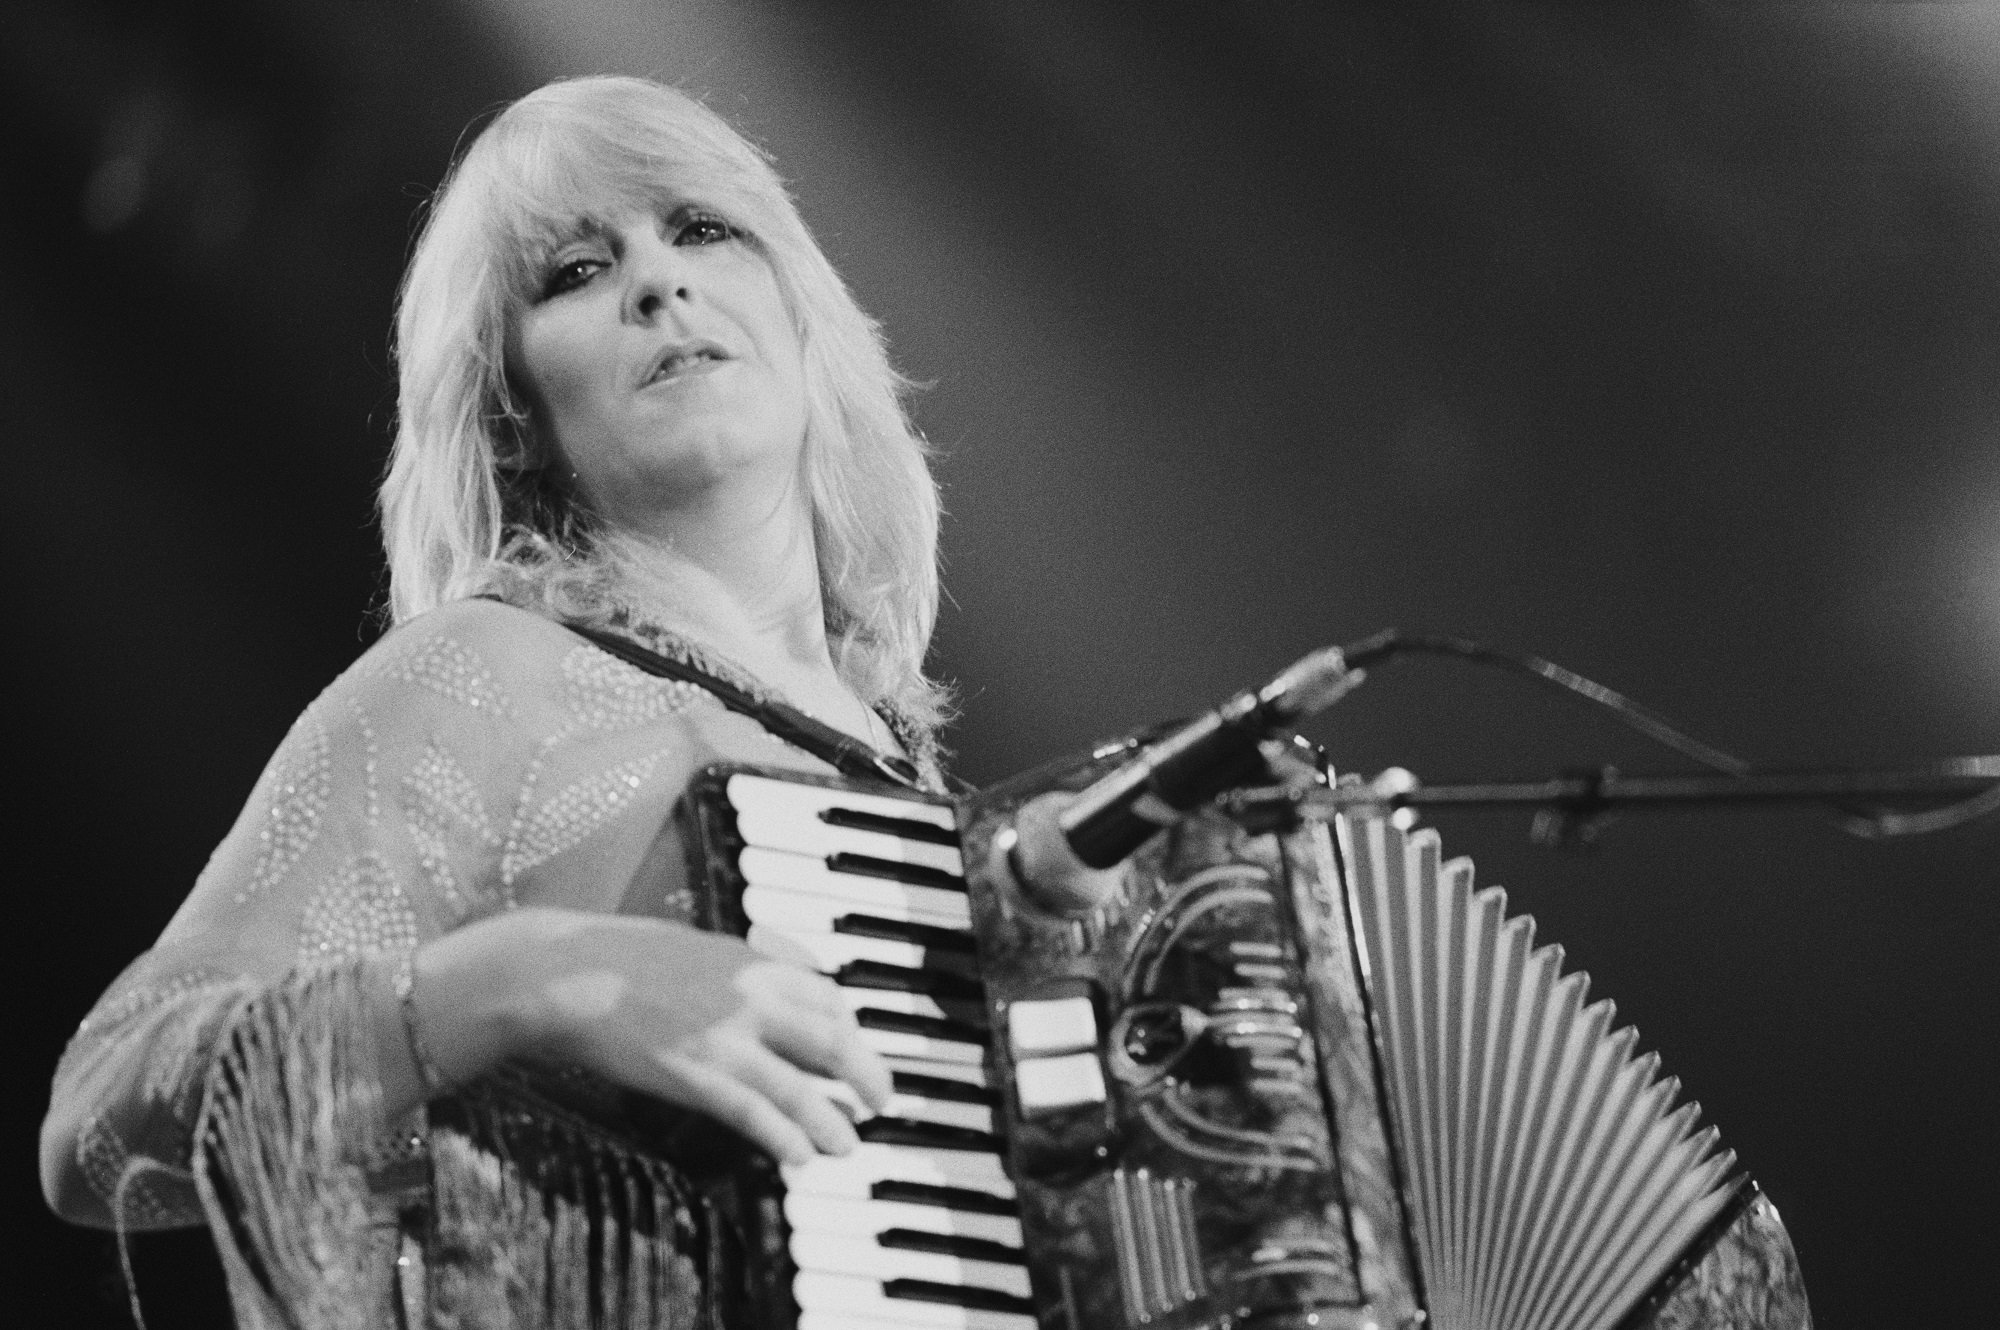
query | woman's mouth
[691, 360]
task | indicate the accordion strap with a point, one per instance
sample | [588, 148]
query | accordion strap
[838, 749]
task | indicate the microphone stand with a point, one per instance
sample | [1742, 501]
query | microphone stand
[1571, 805]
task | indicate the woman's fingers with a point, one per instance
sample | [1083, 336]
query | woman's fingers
[713, 1089]
[820, 1034]
[796, 1095]
[734, 1078]
[698, 1020]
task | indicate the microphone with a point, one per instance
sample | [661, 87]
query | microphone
[1063, 845]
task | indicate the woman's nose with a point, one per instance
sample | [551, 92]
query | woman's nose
[657, 276]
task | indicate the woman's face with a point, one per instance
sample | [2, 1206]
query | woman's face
[660, 356]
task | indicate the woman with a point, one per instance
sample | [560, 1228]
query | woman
[634, 396]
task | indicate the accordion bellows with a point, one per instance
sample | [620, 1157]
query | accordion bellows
[1553, 1174]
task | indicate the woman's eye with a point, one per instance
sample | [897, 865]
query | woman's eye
[704, 229]
[570, 274]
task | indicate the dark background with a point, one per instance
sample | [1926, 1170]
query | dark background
[1659, 340]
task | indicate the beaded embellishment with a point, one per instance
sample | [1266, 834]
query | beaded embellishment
[301, 781]
[134, 993]
[361, 908]
[441, 802]
[448, 669]
[571, 815]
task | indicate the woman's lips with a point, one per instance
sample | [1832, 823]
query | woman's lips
[685, 362]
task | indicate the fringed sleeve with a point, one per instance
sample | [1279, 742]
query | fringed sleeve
[294, 1159]
[475, 759]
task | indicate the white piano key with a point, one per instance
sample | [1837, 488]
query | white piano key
[827, 952]
[863, 1256]
[1048, 1084]
[793, 872]
[852, 1299]
[1058, 1025]
[871, 1319]
[777, 830]
[903, 1044]
[837, 1321]
[783, 908]
[834, 1214]
[764, 792]
[944, 1112]
[913, 1108]
[964, 1072]
[890, 999]
[852, 1174]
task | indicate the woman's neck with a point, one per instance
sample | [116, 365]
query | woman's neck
[742, 578]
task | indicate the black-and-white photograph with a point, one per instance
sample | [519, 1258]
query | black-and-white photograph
[1259, 665]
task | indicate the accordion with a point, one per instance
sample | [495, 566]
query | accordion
[1291, 1079]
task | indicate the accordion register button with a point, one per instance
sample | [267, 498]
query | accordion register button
[833, 1214]
[1063, 1025]
[863, 1256]
[1049, 1085]
[862, 1301]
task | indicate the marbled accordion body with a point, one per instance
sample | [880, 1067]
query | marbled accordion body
[1297, 1079]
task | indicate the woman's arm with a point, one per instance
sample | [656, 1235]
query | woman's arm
[477, 761]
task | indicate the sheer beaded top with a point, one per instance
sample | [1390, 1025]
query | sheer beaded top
[476, 759]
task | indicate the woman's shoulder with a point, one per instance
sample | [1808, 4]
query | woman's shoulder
[487, 658]
[481, 623]
[495, 663]
[476, 653]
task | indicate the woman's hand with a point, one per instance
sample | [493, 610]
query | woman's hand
[694, 1018]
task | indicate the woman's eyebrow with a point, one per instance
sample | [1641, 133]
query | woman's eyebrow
[589, 226]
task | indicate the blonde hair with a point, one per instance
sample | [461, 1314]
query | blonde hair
[465, 511]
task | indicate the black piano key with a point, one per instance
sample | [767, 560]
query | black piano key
[928, 936]
[905, 828]
[917, 875]
[957, 1295]
[951, 1244]
[939, 1087]
[930, 1027]
[903, 979]
[927, 1135]
[947, 1198]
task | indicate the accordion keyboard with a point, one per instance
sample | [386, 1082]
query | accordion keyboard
[918, 1226]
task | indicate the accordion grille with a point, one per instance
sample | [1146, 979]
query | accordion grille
[1552, 1175]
